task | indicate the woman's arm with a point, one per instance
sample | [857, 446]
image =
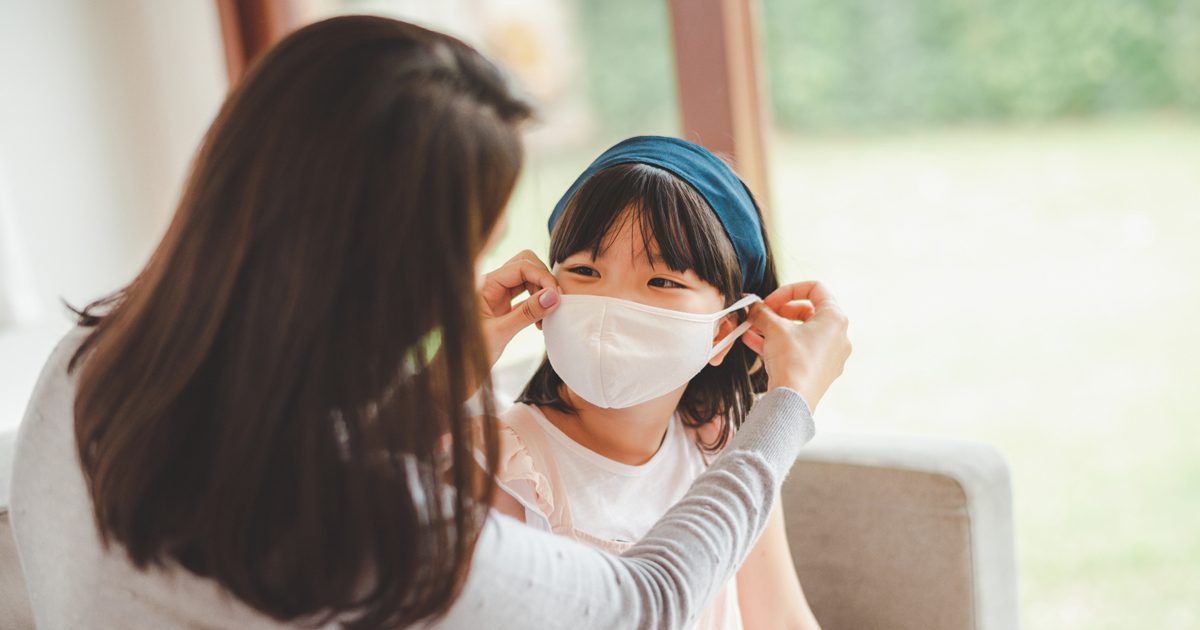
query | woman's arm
[524, 578]
[769, 593]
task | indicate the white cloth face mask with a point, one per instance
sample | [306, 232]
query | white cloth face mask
[616, 354]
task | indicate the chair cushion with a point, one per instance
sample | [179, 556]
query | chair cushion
[15, 613]
[878, 547]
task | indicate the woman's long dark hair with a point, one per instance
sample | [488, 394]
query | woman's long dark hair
[263, 405]
[674, 218]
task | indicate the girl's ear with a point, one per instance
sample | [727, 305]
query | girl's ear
[724, 327]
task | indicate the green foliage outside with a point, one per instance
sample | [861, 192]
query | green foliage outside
[869, 64]
[628, 65]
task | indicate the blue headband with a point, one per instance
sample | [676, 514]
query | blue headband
[711, 177]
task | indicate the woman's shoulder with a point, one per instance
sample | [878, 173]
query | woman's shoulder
[53, 398]
[59, 360]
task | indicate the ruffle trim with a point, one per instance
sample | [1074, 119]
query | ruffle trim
[516, 464]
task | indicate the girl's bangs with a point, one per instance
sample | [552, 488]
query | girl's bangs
[678, 228]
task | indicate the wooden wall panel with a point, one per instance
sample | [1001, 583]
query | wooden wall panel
[250, 27]
[718, 62]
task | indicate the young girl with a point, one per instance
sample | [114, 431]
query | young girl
[655, 248]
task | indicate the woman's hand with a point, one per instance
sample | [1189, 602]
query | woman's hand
[502, 319]
[806, 358]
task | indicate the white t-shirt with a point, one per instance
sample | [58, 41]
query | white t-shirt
[575, 492]
[617, 501]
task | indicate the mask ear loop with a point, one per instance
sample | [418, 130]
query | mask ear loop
[737, 332]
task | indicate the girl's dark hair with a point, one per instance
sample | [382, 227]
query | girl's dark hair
[268, 403]
[677, 222]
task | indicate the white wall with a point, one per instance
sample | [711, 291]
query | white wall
[102, 105]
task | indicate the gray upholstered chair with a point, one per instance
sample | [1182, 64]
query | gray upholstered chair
[903, 533]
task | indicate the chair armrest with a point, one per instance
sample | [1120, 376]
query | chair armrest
[8, 442]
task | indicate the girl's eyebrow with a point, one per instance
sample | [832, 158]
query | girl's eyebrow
[654, 257]
[590, 254]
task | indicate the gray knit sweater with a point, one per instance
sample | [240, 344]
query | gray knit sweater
[520, 578]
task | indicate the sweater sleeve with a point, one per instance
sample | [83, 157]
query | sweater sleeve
[524, 578]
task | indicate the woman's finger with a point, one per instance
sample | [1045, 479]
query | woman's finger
[502, 328]
[805, 358]
[829, 312]
[522, 272]
[502, 320]
[518, 276]
[528, 257]
[525, 254]
[789, 293]
[753, 340]
[765, 319]
[813, 291]
[796, 311]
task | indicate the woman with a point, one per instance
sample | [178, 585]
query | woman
[266, 429]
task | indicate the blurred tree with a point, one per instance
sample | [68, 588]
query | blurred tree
[630, 79]
[882, 63]
[866, 64]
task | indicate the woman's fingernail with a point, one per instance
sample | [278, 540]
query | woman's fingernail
[548, 298]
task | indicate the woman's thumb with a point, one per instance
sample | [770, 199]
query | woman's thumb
[532, 310]
[763, 318]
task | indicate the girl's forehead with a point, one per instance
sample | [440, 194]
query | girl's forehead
[627, 240]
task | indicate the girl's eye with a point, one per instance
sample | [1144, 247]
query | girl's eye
[664, 283]
[584, 271]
